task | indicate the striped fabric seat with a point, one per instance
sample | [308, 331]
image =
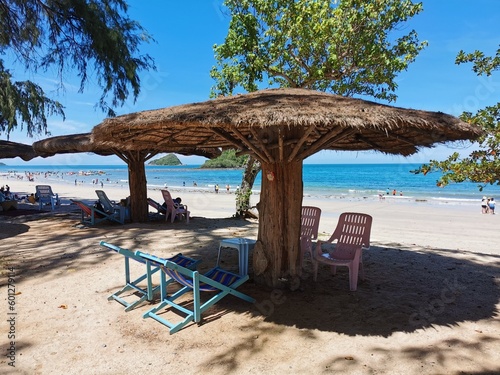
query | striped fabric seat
[217, 280]
[217, 274]
[183, 261]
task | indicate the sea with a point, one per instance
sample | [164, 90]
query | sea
[368, 181]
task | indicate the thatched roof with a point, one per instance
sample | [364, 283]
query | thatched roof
[9, 150]
[307, 121]
[75, 143]
[69, 144]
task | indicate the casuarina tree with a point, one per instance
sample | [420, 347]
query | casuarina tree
[95, 40]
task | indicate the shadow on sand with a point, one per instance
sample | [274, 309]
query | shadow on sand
[404, 290]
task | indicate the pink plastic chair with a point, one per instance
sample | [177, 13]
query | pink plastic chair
[309, 224]
[352, 235]
[174, 210]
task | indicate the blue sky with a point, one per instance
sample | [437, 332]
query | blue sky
[185, 32]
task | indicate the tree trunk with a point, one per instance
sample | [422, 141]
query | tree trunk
[252, 168]
[138, 188]
[276, 254]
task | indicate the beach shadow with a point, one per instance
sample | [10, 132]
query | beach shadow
[80, 249]
[63, 250]
[13, 229]
[404, 290]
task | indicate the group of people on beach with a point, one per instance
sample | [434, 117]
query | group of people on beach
[394, 192]
[7, 195]
[488, 205]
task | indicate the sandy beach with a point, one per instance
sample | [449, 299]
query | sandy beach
[429, 303]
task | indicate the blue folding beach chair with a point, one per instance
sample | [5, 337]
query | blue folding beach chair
[217, 281]
[146, 294]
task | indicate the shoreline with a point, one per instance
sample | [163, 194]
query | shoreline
[122, 185]
[320, 181]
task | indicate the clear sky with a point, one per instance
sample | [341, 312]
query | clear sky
[185, 32]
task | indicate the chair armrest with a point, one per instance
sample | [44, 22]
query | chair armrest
[318, 248]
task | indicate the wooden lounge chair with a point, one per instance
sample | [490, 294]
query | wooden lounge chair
[46, 196]
[116, 211]
[92, 215]
[217, 281]
[351, 235]
[160, 210]
[134, 286]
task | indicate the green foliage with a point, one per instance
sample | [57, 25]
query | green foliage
[346, 47]
[227, 159]
[24, 103]
[170, 159]
[482, 166]
[83, 36]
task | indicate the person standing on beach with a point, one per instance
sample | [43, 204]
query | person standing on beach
[484, 205]
[491, 205]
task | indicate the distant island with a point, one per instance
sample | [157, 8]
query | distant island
[227, 159]
[169, 159]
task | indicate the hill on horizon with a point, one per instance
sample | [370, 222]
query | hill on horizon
[169, 159]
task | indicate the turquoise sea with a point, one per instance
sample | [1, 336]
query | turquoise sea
[321, 180]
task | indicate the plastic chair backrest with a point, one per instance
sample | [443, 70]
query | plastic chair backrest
[44, 191]
[309, 224]
[352, 232]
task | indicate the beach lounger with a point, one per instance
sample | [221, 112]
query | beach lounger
[309, 224]
[352, 235]
[158, 207]
[217, 281]
[46, 196]
[134, 286]
[116, 211]
[92, 215]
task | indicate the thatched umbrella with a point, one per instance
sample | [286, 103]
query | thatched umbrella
[280, 128]
[69, 144]
[9, 150]
[135, 159]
